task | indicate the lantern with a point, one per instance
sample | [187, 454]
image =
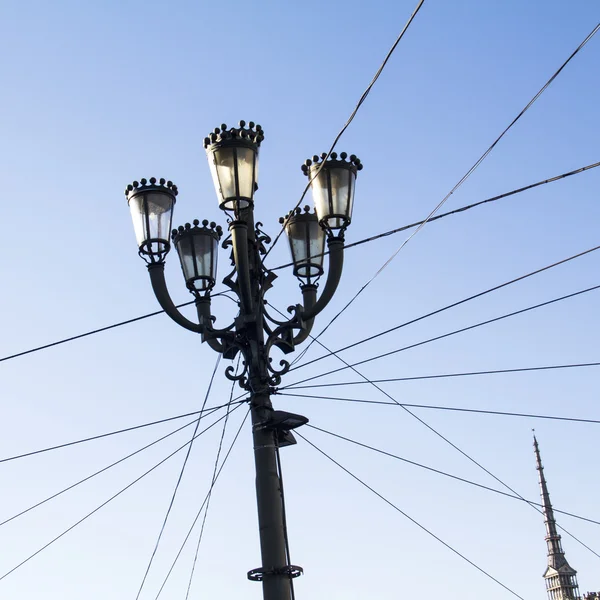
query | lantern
[151, 205]
[233, 159]
[197, 249]
[332, 183]
[307, 243]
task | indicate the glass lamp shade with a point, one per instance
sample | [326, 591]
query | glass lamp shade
[151, 205]
[307, 243]
[197, 249]
[332, 185]
[233, 159]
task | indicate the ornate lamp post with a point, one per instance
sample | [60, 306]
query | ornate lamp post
[233, 159]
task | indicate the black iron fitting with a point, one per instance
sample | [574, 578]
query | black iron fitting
[291, 571]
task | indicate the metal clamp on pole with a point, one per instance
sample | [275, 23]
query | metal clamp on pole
[292, 571]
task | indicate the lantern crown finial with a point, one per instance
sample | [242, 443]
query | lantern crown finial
[188, 228]
[351, 162]
[252, 134]
[144, 185]
[298, 212]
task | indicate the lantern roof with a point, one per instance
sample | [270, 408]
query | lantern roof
[334, 161]
[144, 185]
[187, 229]
[252, 135]
[297, 214]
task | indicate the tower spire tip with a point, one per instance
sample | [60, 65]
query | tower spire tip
[561, 578]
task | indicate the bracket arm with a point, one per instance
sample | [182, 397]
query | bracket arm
[159, 286]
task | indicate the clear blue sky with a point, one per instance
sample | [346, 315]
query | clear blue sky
[95, 95]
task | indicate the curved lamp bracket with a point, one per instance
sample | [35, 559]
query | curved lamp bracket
[159, 286]
[304, 315]
[334, 274]
[220, 340]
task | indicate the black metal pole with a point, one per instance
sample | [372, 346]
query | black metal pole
[274, 574]
[276, 582]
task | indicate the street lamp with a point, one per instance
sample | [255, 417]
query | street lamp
[307, 243]
[197, 249]
[151, 207]
[233, 159]
[332, 182]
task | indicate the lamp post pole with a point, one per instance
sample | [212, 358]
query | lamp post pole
[275, 572]
[254, 333]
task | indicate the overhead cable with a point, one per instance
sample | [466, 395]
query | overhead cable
[449, 213]
[88, 333]
[416, 464]
[440, 376]
[456, 186]
[180, 477]
[189, 533]
[450, 408]
[209, 410]
[449, 306]
[101, 329]
[451, 333]
[352, 115]
[95, 510]
[212, 485]
[448, 441]
[414, 521]
[113, 464]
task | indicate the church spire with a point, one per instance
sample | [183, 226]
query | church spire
[561, 579]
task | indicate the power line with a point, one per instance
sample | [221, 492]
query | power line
[452, 305]
[189, 533]
[88, 333]
[457, 185]
[118, 431]
[212, 484]
[448, 441]
[100, 330]
[450, 408]
[405, 407]
[180, 477]
[441, 376]
[353, 114]
[395, 507]
[427, 468]
[453, 212]
[451, 333]
[114, 464]
[95, 510]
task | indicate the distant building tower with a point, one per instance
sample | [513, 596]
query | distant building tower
[561, 579]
